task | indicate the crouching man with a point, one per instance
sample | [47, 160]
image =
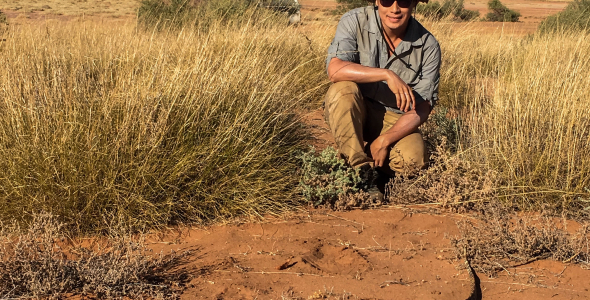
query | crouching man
[385, 68]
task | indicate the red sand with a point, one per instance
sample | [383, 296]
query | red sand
[374, 254]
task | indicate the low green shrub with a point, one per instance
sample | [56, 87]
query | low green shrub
[3, 19]
[326, 177]
[3, 24]
[287, 6]
[586, 202]
[179, 13]
[576, 16]
[436, 10]
[442, 128]
[501, 13]
[346, 5]
[157, 13]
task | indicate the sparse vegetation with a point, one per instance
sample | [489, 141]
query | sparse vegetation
[575, 17]
[499, 240]
[447, 9]
[183, 13]
[346, 5]
[39, 263]
[501, 13]
[3, 19]
[451, 181]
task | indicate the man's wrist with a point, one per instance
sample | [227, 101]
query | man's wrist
[386, 141]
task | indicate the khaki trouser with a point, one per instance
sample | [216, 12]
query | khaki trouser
[354, 120]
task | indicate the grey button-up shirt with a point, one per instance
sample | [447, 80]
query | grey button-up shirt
[417, 60]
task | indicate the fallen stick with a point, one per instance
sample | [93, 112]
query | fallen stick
[282, 273]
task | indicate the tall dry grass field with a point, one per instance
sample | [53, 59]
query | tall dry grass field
[102, 123]
[524, 102]
[105, 123]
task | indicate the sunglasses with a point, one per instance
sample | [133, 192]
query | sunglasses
[400, 3]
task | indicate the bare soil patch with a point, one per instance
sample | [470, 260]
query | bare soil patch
[373, 254]
[532, 14]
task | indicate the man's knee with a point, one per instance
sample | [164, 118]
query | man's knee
[343, 93]
[409, 155]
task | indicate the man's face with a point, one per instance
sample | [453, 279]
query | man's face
[395, 14]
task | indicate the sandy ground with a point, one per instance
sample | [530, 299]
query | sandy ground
[387, 253]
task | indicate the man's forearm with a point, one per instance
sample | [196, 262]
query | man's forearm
[340, 70]
[405, 125]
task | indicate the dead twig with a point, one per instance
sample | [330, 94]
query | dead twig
[281, 273]
[390, 282]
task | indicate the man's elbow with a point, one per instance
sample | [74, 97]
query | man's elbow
[333, 66]
[332, 75]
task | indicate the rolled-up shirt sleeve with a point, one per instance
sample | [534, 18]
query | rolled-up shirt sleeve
[344, 45]
[427, 88]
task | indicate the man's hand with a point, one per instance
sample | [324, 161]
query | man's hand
[403, 93]
[380, 151]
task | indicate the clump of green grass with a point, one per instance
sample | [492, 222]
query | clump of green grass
[346, 5]
[153, 128]
[501, 13]
[575, 17]
[447, 9]
[177, 14]
[286, 6]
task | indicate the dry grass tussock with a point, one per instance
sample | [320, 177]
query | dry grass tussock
[521, 105]
[38, 263]
[534, 129]
[153, 127]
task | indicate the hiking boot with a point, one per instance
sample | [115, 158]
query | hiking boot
[373, 182]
